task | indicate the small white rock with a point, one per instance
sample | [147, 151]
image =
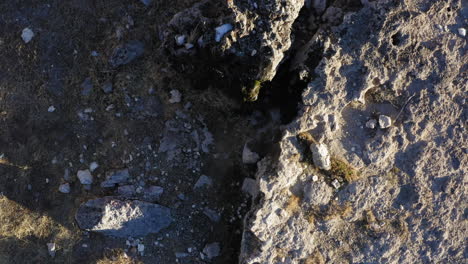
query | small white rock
[462, 32]
[85, 177]
[27, 35]
[51, 249]
[221, 31]
[248, 156]
[320, 156]
[51, 109]
[315, 178]
[180, 40]
[176, 96]
[141, 247]
[93, 166]
[385, 121]
[371, 123]
[188, 45]
[336, 184]
[64, 188]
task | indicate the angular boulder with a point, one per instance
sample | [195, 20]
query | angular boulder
[122, 218]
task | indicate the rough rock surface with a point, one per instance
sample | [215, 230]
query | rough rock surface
[159, 88]
[387, 58]
[263, 26]
[120, 218]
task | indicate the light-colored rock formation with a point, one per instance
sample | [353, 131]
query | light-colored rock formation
[120, 218]
[405, 207]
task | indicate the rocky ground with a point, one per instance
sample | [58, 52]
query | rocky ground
[233, 131]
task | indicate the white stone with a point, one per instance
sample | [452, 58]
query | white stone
[221, 31]
[51, 249]
[462, 32]
[371, 123]
[314, 178]
[336, 184]
[51, 109]
[180, 40]
[248, 156]
[93, 166]
[385, 121]
[320, 156]
[176, 97]
[188, 45]
[85, 177]
[64, 188]
[27, 35]
[141, 247]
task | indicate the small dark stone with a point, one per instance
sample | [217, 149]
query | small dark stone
[86, 87]
[126, 53]
[107, 87]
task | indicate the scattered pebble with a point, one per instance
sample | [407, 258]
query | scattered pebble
[127, 53]
[107, 87]
[371, 123]
[141, 249]
[385, 121]
[180, 40]
[64, 188]
[336, 184]
[93, 166]
[51, 249]
[212, 214]
[86, 87]
[115, 177]
[51, 109]
[221, 31]
[212, 250]
[188, 46]
[27, 35]
[315, 178]
[181, 255]
[202, 181]
[175, 97]
[462, 32]
[85, 177]
[248, 156]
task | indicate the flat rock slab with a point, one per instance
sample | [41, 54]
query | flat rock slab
[122, 218]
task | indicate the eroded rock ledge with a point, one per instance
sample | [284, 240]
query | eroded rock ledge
[392, 59]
